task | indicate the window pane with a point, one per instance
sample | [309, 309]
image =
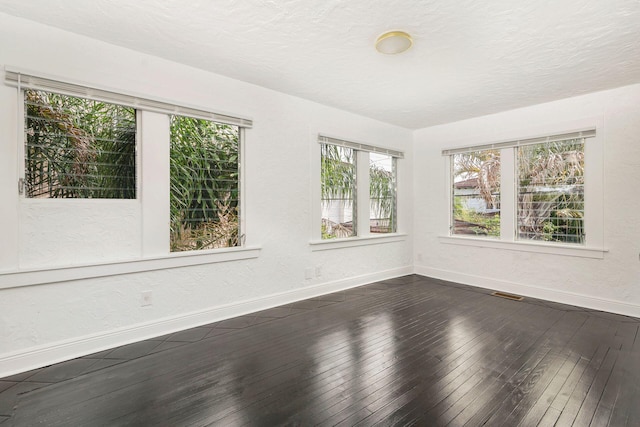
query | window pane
[204, 192]
[78, 148]
[551, 191]
[382, 193]
[476, 193]
[338, 183]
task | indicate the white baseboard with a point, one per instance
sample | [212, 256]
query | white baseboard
[555, 295]
[37, 357]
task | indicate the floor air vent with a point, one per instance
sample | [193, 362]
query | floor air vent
[508, 296]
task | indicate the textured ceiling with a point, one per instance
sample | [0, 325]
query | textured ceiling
[469, 57]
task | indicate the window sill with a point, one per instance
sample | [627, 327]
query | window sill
[324, 245]
[30, 277]
[536, 247]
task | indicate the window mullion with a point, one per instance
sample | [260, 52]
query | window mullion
[362, 193]
[154, 182]
[394, 214]
[594, 192]
[242, 233]
[21, 118]
[507, 194]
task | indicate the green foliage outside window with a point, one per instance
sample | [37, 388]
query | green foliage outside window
[476, 193]
[382, 194]
[205, 187]
[551, 191]
[338, 190]
[78, 148]
[338, 193]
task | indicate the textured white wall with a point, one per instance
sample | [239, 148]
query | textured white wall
[612, 283]
[57, 233]
[280, 152]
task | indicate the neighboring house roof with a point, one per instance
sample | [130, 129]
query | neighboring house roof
[467, 183]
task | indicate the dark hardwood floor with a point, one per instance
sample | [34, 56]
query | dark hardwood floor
[406, 351]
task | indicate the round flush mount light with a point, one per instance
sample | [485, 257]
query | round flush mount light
[393, 42]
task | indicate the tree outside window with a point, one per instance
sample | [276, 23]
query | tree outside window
[78, 148]
[550, 200]
[476, 193]
[204, 184]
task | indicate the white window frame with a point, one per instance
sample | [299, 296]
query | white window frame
[357, 178]
[363, 235]
[240, 207]
[452, 197]
[393, 220]
[152, 144]
[594, 245]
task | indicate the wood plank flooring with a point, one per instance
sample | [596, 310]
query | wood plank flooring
[406, 351]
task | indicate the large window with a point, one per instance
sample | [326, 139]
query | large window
[476, 193]
[205, 185]
[550, 193]
[347, 168]
[338, 183]
[382, 193]
[539, 196]
[78, 148]
[136, 178]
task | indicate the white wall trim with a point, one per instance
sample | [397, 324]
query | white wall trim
[16, 279]
[323, 245]
[36, 357]
[555, 295]
[524, 246]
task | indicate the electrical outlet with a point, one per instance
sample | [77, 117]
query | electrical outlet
[318, 271]
[146, 299]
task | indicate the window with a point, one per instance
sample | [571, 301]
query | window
[550, 193]
[382, 193]
[338, 183]
[142, 179]
[204, 184]
[341, 175]
[476, 193]
[78, 148]
[526, 190]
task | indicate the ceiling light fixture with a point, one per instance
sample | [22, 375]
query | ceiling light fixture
[393, 42]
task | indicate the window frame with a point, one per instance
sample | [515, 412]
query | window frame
[152, 139]
[593, 246]
[452, 195]
[240, 179]
[364, 235]
[393, 214]
[353, 200]
[518, 193]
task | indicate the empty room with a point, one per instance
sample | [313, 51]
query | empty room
[295, 212]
